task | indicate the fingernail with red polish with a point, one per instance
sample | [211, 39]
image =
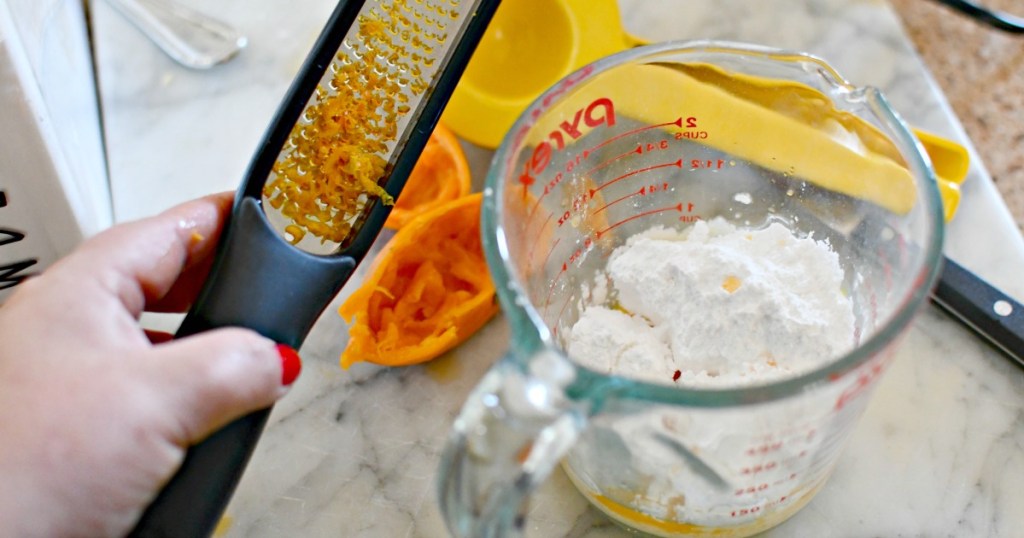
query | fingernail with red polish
[291, 364]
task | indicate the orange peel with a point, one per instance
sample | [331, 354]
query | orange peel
[441, 175]
[428, 291]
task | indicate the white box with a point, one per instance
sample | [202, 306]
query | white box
[53, 182]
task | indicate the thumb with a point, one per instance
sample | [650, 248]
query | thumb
[212, 378]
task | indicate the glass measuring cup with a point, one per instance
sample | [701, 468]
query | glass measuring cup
[677, 134]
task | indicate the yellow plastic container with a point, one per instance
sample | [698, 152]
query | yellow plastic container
[529, 45]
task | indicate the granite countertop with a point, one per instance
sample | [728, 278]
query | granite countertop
[978, 68]
[354, 452]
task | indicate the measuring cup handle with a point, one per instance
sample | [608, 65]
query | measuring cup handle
[513, 429]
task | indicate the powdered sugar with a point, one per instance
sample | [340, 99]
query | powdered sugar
[722, 305]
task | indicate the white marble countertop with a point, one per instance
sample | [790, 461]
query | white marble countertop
[940, 451]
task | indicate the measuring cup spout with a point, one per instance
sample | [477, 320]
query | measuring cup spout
[512, 431]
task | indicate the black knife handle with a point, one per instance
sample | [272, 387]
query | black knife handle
[997, 19]
[986, 310]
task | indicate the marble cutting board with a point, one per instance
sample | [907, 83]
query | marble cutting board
[354, 453]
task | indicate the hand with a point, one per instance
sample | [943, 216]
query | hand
[94, 416]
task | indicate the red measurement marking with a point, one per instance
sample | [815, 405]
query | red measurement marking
[548, 187]
[564, 218]
[613, 202]
[540, 233]
[749, 490]
[792, 476]
[551, 251]
[766, 448]
[551, 288]
[678, 207]
[526, 180]
[533, 210]
[561, 311]
[794, 460]
[901, 248]
[751, 511]
[759, 468]
[711, 165]
[887, 271]
[678, 123]
[637, 151]
[745, 511]
[866, 377]
[645, 190]
[677, 164]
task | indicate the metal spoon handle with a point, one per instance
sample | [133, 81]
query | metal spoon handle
[191, 38]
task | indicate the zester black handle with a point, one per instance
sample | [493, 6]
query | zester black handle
[260, 282]
[246, 286]
[983, 308]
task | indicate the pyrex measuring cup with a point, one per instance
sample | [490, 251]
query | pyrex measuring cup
[677, 134]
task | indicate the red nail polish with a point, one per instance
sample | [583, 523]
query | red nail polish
[291, 364]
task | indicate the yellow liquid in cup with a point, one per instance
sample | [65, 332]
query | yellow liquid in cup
[646, 523]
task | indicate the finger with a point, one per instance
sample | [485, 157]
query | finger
[139, 262]
[158, 337]
[211, 378]
[184, 291]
